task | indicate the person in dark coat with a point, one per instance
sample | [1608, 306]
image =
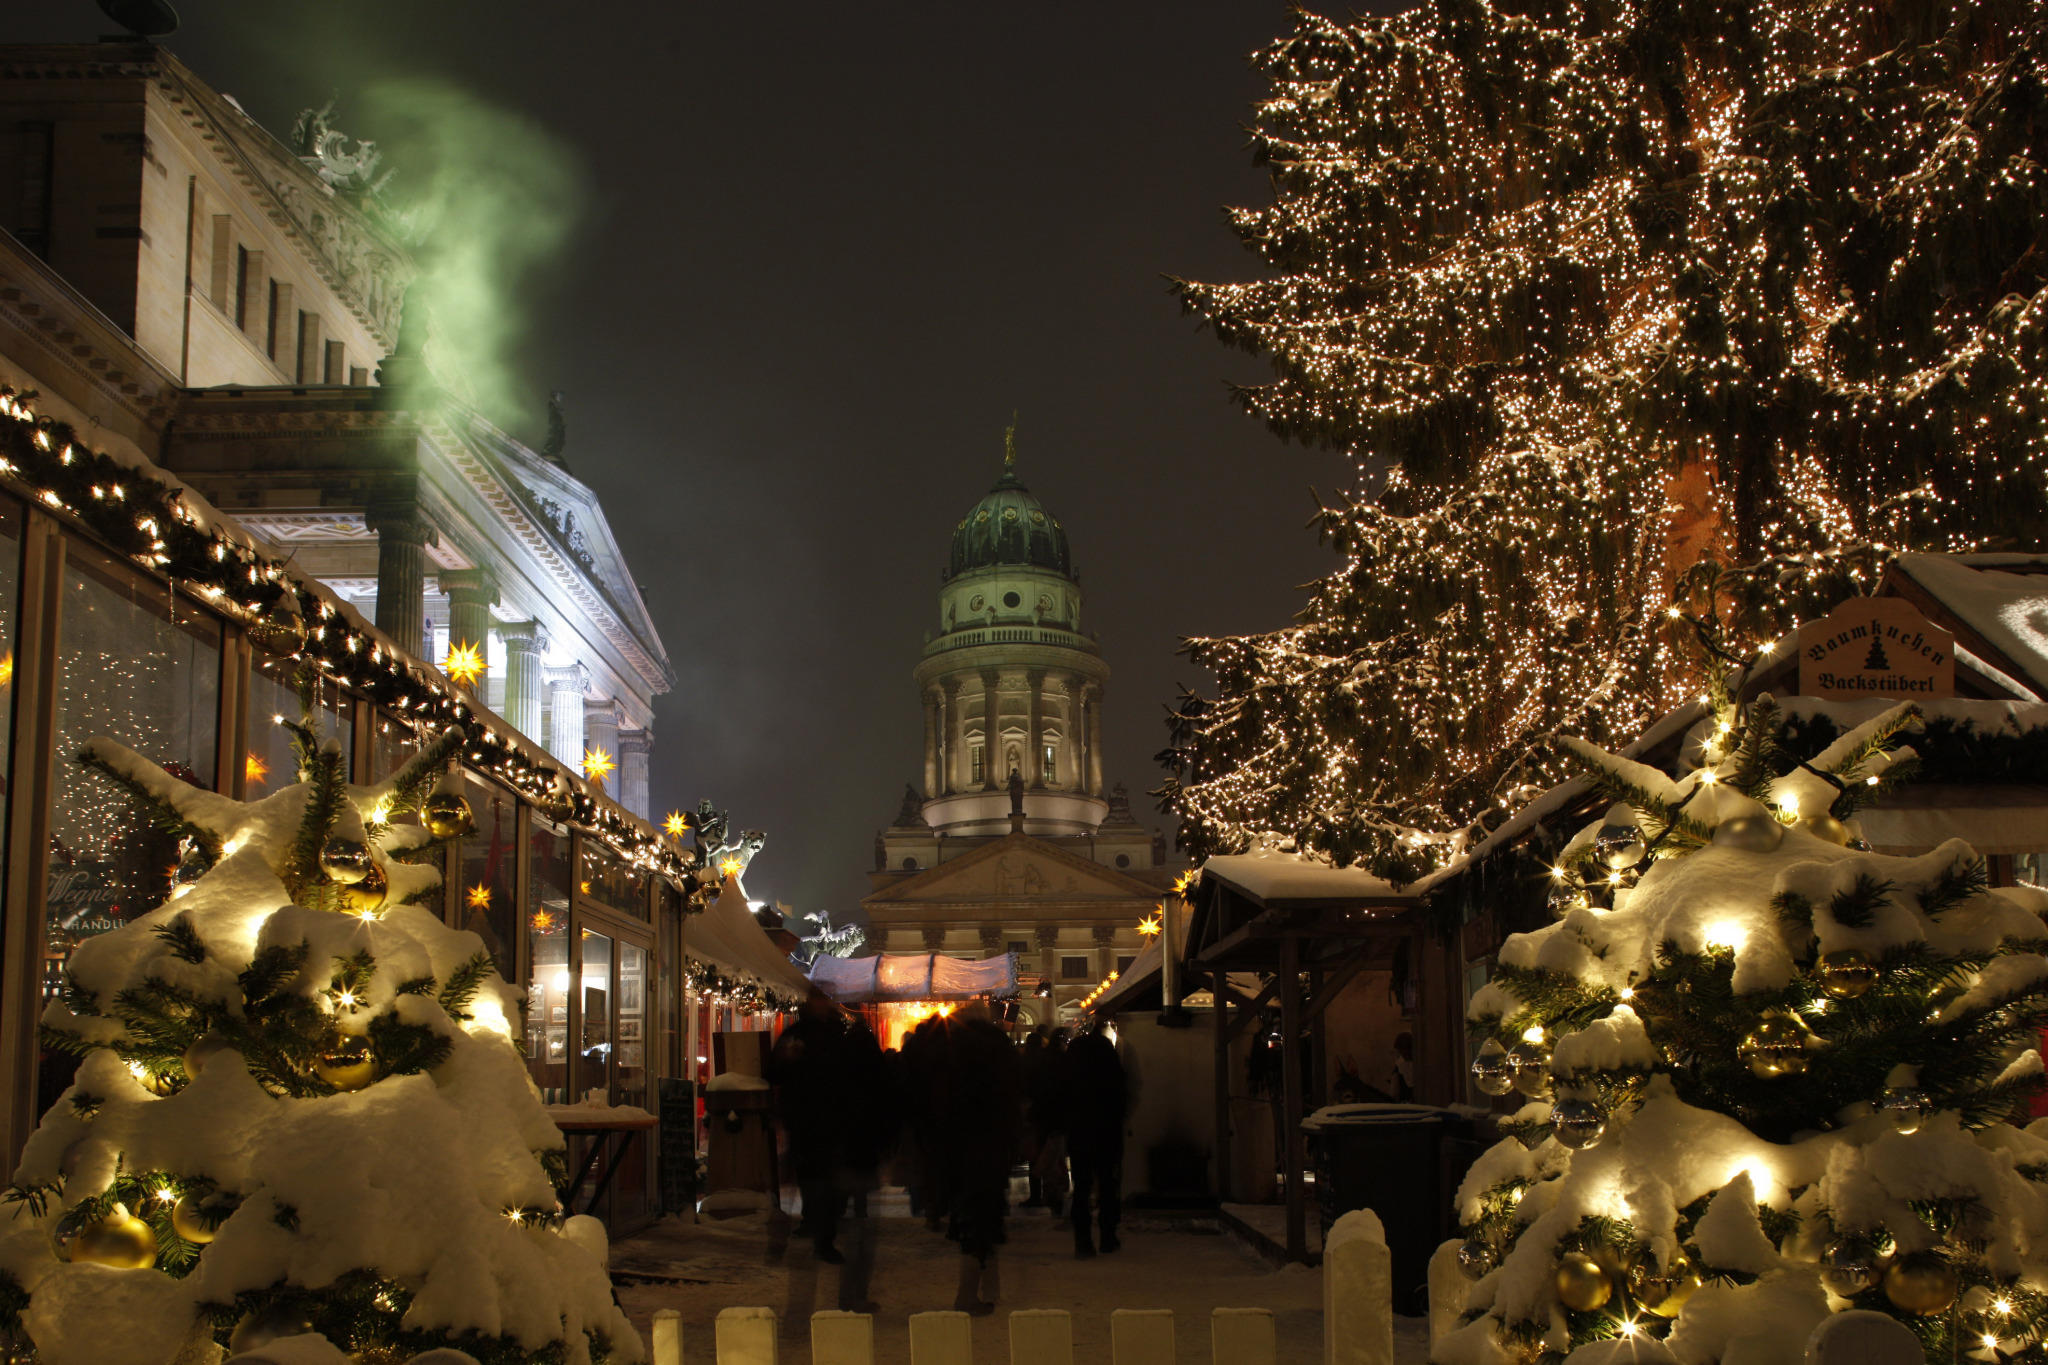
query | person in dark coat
[1096, 1101]
[805, 1066]
[985, 1109]
[927, 1053]
[869, 1115]
[1044, 1089]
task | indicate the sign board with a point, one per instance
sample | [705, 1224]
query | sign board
[1876, 647]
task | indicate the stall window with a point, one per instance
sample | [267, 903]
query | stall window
[612, 881]
[392, 744]
[267, 760]
[547, 940]
[629, 1072]
[594, 1058]
[486, 884]
[135, 665]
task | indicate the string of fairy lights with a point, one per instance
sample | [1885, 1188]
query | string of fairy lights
[1589, 301]
[147, 520]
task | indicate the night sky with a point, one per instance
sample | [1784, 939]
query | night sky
[827, 249]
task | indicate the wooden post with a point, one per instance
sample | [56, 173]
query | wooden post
[1290, 1089]
[1219, 986]
[1318, 1089]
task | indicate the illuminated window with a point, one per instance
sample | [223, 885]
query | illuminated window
[1051, 767]
[974, 765]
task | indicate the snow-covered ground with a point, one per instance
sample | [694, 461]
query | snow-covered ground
[1188, 1264]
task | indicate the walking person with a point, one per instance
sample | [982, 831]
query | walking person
[869, 1115]
[804, 1067]
[1096, 1100]
[985, 1110]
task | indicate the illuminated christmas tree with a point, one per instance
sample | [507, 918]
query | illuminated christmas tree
[1769, 1077]
[1613, 309]
[300, 1107]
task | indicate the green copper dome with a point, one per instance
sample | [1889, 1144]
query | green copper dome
[1009, 526]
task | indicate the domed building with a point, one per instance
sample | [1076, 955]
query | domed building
[1014, 845]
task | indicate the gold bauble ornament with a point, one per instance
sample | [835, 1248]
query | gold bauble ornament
[1847, 973]
[1921, 1283]
[1823, 825]
[346, 860]
[197, 1218]
[447, 815]
[1663, 1290]
[120, 1240]
[1777, 1046]
[281, 629]
[1582, 1285]
[366, 896]
[346, 1063]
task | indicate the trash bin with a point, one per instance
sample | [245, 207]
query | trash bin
[1389, 1158]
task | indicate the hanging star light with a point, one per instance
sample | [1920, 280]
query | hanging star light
[731, 867]
[255, 770]
[479, 897]
[598, 765]
[464, 664]
[1149, 926]
[677, 824]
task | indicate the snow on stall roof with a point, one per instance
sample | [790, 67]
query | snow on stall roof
[1272, 875]
[2003, 597]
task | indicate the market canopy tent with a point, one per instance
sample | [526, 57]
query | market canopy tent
[906, 977]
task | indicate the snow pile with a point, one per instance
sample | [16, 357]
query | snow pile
[429, 1183]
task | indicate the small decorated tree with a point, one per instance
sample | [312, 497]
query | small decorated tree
[1771, 1076]
[299, 1109]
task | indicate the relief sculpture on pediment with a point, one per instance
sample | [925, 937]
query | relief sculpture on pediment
[1017, 875]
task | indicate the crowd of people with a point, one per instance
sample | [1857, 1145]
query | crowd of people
[949, 1117]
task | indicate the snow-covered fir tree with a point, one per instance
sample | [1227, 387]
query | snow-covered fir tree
[1614, 307]
[300, 1107]
[1769, 1077]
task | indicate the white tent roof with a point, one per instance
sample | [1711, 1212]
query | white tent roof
[913, 976]
[728, 934]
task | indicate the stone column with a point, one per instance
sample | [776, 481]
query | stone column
[403, 533]
[524, 644]
[951, 744]
[471, 595]
[931, 745]
[934, 938]
[991, 939]
[991, 734]
[1105, 951]
[601, 731]
[566, 687]
[1034, 760]
[636, 755]
[1048, 937]
[1094, 742]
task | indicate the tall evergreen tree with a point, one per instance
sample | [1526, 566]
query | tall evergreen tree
[1626, 311]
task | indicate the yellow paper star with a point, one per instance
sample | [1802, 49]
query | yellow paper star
[480, 897]
[1186, 882]
[730, 867]
[255, 770]
[7, 669]
[1149, 927]
[677, 824]
[598, 765]
[464, 664]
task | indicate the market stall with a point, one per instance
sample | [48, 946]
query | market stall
[898, 991]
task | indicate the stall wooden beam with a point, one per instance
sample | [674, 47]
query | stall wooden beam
[1290, 1090]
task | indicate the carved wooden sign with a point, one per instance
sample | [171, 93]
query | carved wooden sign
[1876, 647]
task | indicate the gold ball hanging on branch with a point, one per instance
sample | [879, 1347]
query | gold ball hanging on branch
[1755, 833]
[1777, 1046]
[1847, 973]
[1582, 1285]
[197, 1218]
[1477, 1258]
[1922, 1283]
[1850, 1265]
[1493, 1073]
[1823, 825]
[346, 860]
[120, 1240]
[1619, 843]
[1663, 1290]
[281, 628]
[1531, 1062]
[346, 1063]
[447, 815]
[366, 897]
[1577, 1122]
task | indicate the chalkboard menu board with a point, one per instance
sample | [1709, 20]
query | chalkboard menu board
[678, 1101]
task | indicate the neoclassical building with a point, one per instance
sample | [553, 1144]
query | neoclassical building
[1014, 844]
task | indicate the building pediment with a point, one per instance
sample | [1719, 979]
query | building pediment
[1018, 868]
